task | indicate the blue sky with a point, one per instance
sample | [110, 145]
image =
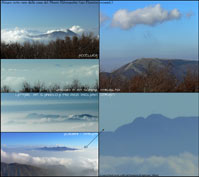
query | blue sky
[172, 38]
[25, 148]
[48, 139]
[49, 112]
[61, 72]
[49, 16]
[123, 108]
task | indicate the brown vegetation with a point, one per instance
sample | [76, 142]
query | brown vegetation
[75, 86]
[153, 80]
[86, 46]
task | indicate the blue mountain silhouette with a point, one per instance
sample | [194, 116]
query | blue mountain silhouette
[154, 135]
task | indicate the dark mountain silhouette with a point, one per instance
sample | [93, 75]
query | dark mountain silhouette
[57, 149]
[154, 135]
[15, 169]
[140, 66]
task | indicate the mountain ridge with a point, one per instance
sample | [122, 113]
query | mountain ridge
[16, 169]
[58, 148]
[178, 67]
[54, 35]
[150, 136]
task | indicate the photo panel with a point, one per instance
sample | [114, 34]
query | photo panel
[149, 46]
[49, 154]
[49, 112]
[50, 75]
[148, 134]
[49, 29]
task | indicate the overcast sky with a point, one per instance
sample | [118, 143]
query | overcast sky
[61, 72]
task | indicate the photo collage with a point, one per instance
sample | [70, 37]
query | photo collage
[99, 88]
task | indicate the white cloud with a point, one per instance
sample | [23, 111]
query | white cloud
[75, 166]
[35, 118]
[23, 35]
[185, 164]
[83, 71]
[150, 15]
[77, 29]
[12, 81]
[27, 159]
[15, 35]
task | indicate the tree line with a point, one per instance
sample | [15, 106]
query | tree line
[85, 46]
[75, 86]
[153, 80]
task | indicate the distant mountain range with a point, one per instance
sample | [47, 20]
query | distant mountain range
[140, 66]
[54, 35]
[16, 169]
[154, 135]
[57, 149]
[78, 117]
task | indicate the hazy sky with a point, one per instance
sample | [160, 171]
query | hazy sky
[49, 112]
[61, 72]
[131, 30]
[123, 108]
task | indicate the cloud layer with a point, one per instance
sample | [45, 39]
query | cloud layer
[35, 118]
[184, 164]
[151, 15]
[77, 166]
[23, 35]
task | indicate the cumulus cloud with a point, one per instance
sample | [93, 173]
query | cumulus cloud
[77, 166]
[150, 15]
[103, 18]
[15, 35]
[77, 29]
[185, 164]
